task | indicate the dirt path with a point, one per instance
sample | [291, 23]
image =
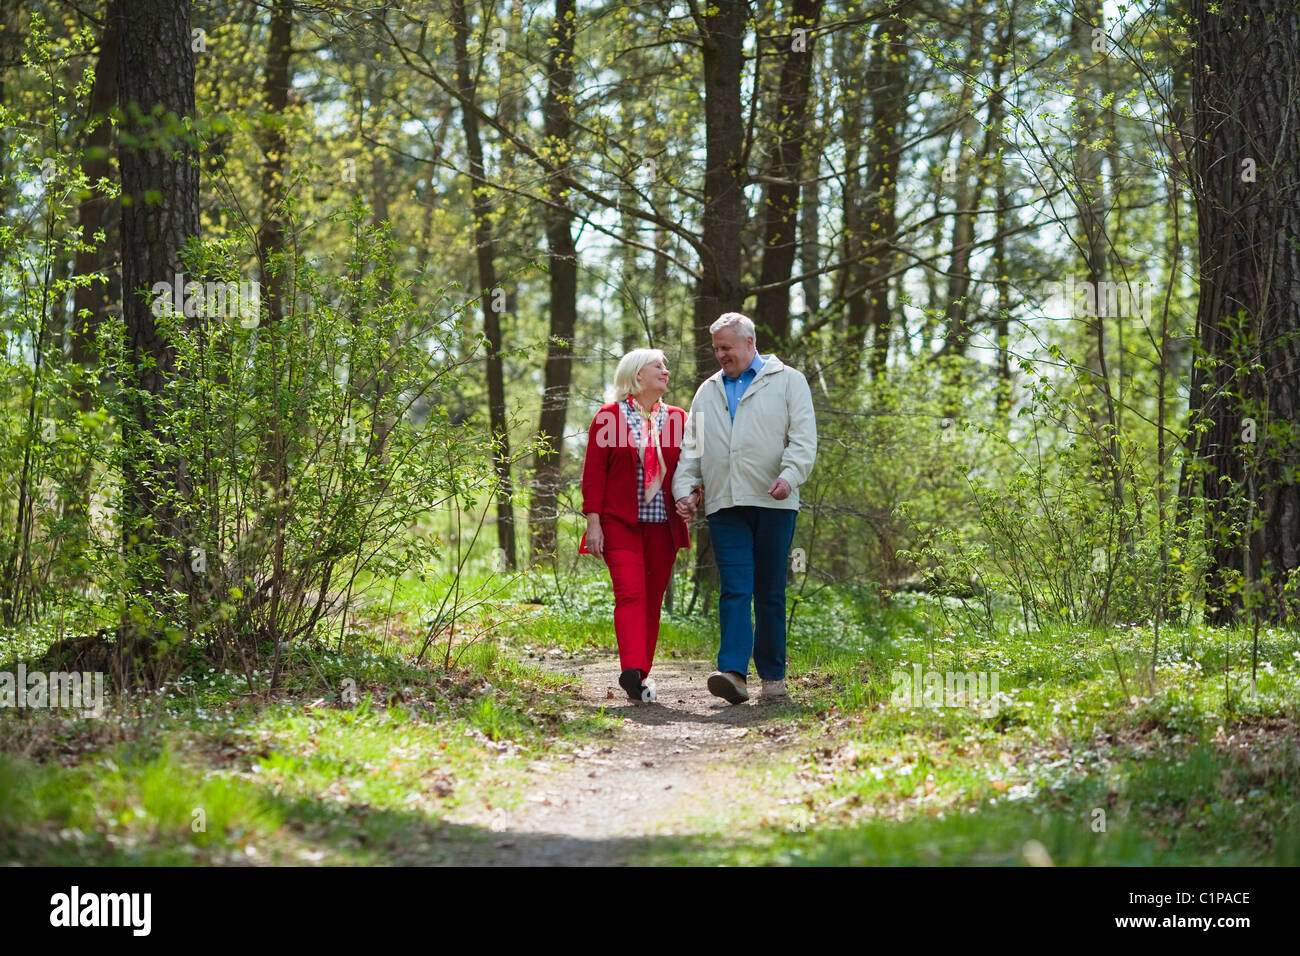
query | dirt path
[688, 757]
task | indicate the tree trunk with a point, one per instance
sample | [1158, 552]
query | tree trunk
[1005, 395]
[888, 83]
[563, 266]
[720, 289]
[1246, 178]
[970, 197]
[91, 300]
[485, 256]
[276, 81]
[780, 208]
[809, 247]
[1090, 202]
[160, 215]
[967, 195]
[851, 282]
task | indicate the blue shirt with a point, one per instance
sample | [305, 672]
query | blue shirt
[735, 387]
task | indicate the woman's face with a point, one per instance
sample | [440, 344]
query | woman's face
[654, 375]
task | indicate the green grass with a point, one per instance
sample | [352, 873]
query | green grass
[1184, 764]
[1202, 807]
[202, 773]
[1191, 768]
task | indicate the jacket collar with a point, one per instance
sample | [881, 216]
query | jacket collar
[770, 364]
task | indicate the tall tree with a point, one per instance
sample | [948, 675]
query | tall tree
[276, 80]
[1246, 178]
[491, 297]
[1087, 183]
[160, 216]
[887, 79]
[719, 289]
[557, 113]
[722, 31]
[968, 196]
[780, 207]
[871, 188]
[96, 211]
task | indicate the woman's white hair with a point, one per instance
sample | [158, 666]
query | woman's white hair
[629, 367]
[743, 324]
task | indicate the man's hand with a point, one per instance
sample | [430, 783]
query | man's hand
[780, 489]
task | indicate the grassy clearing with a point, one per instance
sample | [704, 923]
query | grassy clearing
[1183, 765]
[1190, 768]
[1180, 765]
[215, 769]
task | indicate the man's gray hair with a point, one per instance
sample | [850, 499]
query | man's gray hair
[743, 324]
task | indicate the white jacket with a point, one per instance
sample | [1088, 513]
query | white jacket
[774, 436]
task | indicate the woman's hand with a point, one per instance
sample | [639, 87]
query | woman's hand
[595, 535]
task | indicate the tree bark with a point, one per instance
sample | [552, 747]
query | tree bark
[276, 81]
[485, 257]
[720, 288]
[91, 300]
[780, 207]
[887, 82]
[1246, 181]
[160, 215]
[558, 127]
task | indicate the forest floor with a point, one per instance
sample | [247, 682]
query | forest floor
[515, 746]
[689, 756]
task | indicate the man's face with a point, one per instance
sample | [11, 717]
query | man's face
[733, 351]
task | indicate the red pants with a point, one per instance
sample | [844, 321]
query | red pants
[640, 559]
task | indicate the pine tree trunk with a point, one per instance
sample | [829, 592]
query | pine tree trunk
[564, 288]
[780, 208]
[1246, 179]
[485, 256]
[160, 214]
[720, 289]
[91, 300]
[887, 79]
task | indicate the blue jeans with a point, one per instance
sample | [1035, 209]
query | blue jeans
[752, 546]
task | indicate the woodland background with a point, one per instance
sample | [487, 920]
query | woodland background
[303, 305]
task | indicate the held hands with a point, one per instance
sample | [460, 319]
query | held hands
[780, 489]
[686, 507]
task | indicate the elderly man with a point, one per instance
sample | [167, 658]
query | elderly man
[751, 439]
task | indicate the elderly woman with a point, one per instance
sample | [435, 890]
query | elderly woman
[632, 521]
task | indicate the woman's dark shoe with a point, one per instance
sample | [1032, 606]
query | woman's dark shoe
[637, 684]
[630, 681]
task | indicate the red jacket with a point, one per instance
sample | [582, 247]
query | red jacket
[609, 470]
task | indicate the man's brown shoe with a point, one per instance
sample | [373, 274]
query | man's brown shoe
[730, 687]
